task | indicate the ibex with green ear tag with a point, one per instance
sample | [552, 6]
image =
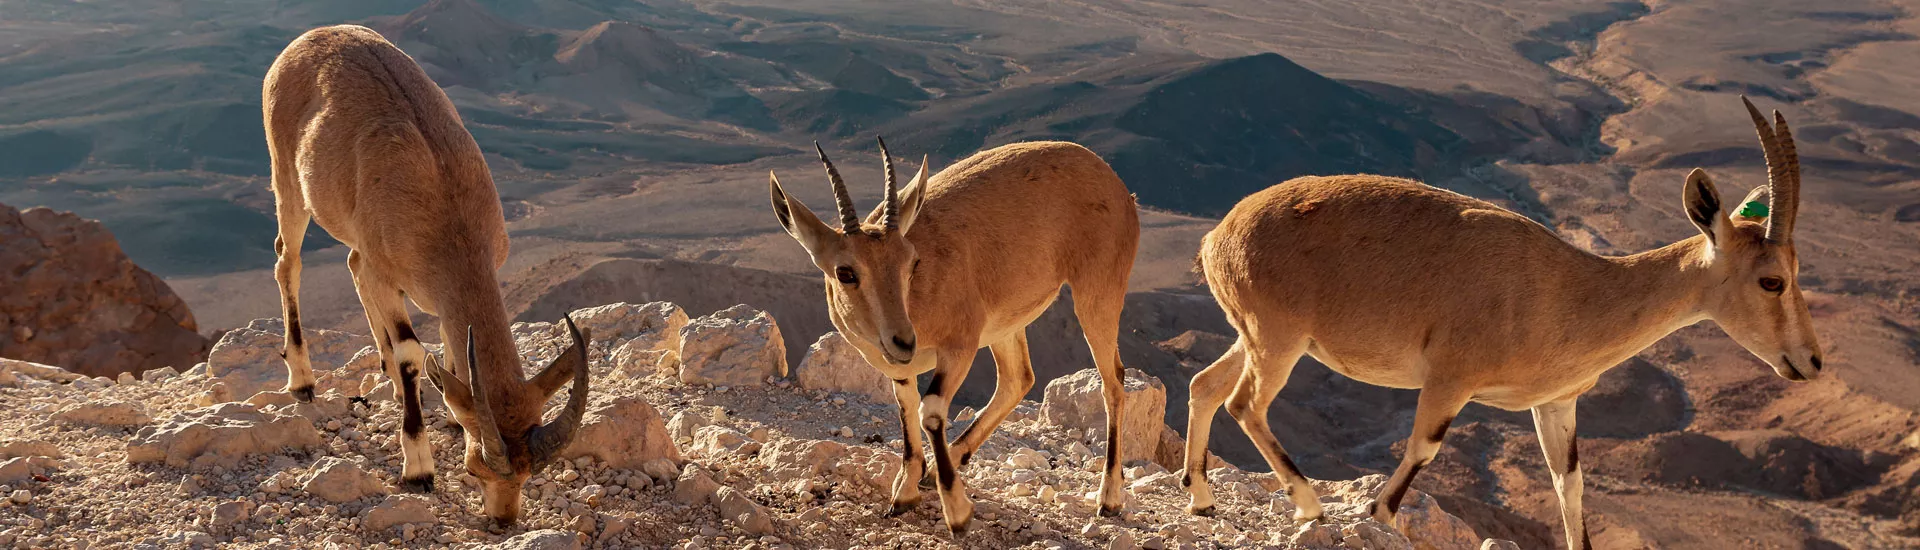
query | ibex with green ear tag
[1398, 284]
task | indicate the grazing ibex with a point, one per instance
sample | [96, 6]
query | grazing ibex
[365, 144]
[966, 260]
[1402, 285]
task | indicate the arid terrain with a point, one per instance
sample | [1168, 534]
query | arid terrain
[630, 142]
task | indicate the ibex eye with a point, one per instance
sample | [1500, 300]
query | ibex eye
[1772, 284]
[845, 274]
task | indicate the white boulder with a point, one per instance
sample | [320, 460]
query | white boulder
[1075, 401]
[737, 346]
[833, 365]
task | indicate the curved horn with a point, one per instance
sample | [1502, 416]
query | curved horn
[493, 450]
[545, 441]
[1784, 203]
[1783, 172]
[849, 222]
[892, 204]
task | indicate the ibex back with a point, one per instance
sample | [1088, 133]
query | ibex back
[365, 144]
[967, 259]
[1398, 284]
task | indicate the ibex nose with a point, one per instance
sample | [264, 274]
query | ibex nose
[904, 345]
[1817, 364]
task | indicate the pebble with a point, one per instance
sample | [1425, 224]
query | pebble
[21, 497]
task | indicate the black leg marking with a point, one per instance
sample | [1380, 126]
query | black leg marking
[1399, 491]
[411, 424]
[1440, 431]
[1573, 457]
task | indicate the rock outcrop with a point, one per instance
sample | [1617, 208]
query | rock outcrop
[222, 435]
[1075, 401]
[737, 346]
[75, 300]
[247, 359]
[624, 432]
[833, 365]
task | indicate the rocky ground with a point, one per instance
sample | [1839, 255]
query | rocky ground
[699, 435]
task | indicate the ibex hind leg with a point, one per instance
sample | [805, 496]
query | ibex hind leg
[403, 359]
[293, 219]
[1013, 378]
[1098, 303]
[1271, 362]
[1205, 394]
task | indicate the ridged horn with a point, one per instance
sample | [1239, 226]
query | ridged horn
[1783, 172]
[493, 449]
[547, 440]
[891, 206]
[849, 222]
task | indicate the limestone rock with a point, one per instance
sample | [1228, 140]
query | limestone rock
[346, 379]
[832, 364]
[791, 459]
[222, 435]
[749, 515]
[1074, 401]
[28, 447]
[684, 424]
[695, 486]
[624, 432]
[248, 359]
[1428, 527]
[104, 413]
[1498, 544]
[228, 514]
[652, 326]
[398, 510]
[74, 299]
[737, 346]
[716, 441]
[340, 480]
[544, 539]
[20, 469]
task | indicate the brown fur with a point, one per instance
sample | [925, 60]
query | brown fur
[363, 143]
[994, 236]
[1398, 284]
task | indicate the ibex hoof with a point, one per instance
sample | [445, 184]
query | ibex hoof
[422, 484]
[898, 508]
[1205, 511]
[959, 529]
[1109, 511]
[303, 395]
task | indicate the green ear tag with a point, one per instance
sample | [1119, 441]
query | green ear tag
[1754, 209]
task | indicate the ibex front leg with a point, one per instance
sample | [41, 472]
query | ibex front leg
[403, 359]
[1431, 417]
[954, 504]
[1554, 422]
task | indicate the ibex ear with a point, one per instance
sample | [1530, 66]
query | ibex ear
[912, 196]
[1754, 208]
[1702, 201]
[799, 221]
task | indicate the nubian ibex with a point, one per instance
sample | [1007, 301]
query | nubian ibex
[1398, 284]
[966, 260]
[365, 144]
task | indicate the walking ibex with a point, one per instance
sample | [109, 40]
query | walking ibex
[1402, 285]
[964, 260]
[365, 144]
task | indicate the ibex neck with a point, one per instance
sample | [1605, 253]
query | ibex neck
[1638, 299]
[476, 302]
